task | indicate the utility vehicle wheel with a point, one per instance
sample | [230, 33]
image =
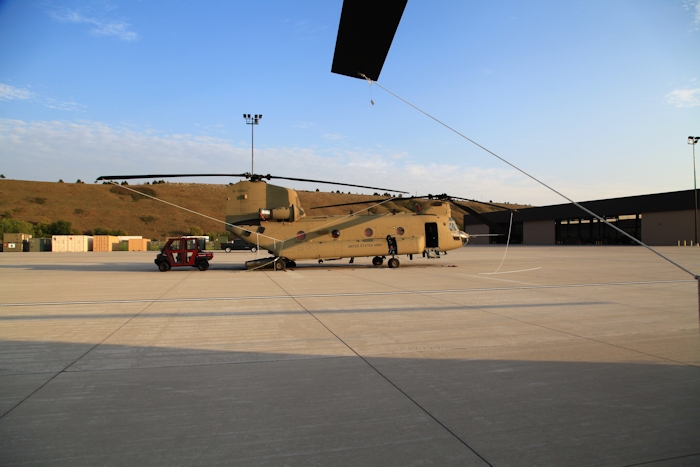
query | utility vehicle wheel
[377, 260]
[203, 265]
[393, 263]
[253, 250]
[163, 266]
[279, 265]
[228, 249]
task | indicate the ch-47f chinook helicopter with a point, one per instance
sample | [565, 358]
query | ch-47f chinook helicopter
[272, 217]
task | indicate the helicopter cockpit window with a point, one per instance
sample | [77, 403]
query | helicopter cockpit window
[335, 233]
[368, 232]
[400, 231]
[301, 235]
[453, 225]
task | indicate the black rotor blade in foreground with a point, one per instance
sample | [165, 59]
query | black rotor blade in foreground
[131, 177]
[365, 34]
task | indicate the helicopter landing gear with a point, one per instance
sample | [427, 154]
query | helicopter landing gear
[377, 260]
[393, 263]
[291, 264]
[280, 264]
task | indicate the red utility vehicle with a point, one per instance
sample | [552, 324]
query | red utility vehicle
[184, 251]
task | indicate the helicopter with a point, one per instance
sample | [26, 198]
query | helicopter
[272, 217]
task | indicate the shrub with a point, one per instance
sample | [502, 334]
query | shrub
[196, 231]
[8, 225]
[135, 196]
[103, 231]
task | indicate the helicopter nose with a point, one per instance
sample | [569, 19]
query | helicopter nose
[464, 236]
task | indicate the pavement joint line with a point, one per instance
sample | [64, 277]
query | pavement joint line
[357, 294]
[376, 370]
[64, 370]
[662, 460]
[573, 334]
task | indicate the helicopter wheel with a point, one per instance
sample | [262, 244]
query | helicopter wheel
[163, 266]
[377, 260]
[280, 264]
[291, 264]
[393, 263]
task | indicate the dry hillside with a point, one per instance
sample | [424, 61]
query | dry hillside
[89, 206]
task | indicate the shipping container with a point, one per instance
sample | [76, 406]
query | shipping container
[105, 243]
[15, 237]
[138, 244]
[126, 238]
[13, 247]
[71, 243]
[39, 244]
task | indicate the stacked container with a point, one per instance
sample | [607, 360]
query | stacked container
[71, 243]
[105, 243]
[138, 244]
[15, 242]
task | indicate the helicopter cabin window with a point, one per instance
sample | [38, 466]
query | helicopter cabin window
[301, 235]
[369, 232]
[400, 231]
[335, 233]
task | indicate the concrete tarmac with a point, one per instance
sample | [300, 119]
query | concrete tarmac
[583, 356]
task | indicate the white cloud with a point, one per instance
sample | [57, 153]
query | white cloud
[49, 150]
[684, 97]
[119, 29]
[8, 92]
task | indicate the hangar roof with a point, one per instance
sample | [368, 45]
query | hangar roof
[658, 202]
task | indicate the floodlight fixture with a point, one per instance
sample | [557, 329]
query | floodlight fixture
[692, 140]
[252, 121]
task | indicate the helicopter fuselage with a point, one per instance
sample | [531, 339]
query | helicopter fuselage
[253, 207]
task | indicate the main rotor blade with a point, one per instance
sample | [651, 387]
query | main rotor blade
[332, 183]
[484, 202]
[351, 204]
[130, 177]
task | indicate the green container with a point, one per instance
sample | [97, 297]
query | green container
[39, 244]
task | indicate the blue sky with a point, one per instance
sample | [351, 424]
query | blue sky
[596, 98]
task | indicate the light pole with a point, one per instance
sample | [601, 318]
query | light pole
[693, 140]
[252, 121]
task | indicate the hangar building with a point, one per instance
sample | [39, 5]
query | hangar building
[656, 219]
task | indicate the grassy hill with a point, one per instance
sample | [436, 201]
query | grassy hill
[89, 206]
